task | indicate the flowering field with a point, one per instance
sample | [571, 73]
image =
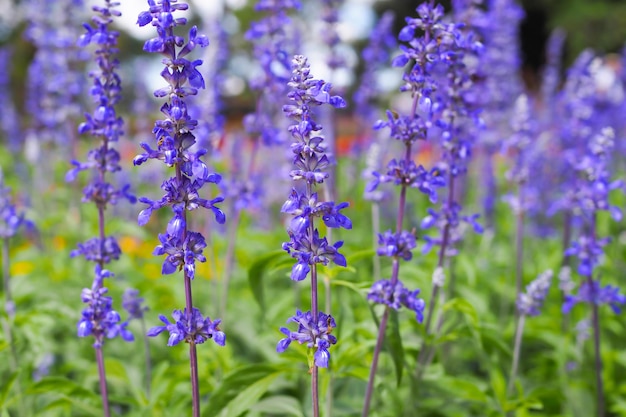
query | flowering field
[222, 214]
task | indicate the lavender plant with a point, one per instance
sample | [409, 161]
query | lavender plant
[375, 57]
[99, 319]
[272, 48]
[54, 80]
[592, 188]
[501, 64]
[174, 138]
[521, 144]
[305, 243]
[432, 44]
[446, 57]
[11, 220]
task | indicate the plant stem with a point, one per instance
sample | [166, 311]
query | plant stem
[6, 277]
[232, 232]
[228, 262]
[519, 243]
[103, 381]
[516, 351]
[315, 394]
[328, 406]
[422, 359]
[146, 344]
[379, 343]
[598, 358]
[193, 358]
[596, 330]
[394, 279]
[6, 324]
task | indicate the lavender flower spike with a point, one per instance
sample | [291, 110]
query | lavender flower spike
[98, 318]
[310, 162]
[174, 146]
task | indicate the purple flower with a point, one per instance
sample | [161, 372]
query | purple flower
[190, 328]
[97, 250]
[98, 318]
[174, 141]
[398, 245]
[396, 296]
[317, 334]
[310, 161]
[11, 219]
[594, 294]
[530, 302]
[132, 303]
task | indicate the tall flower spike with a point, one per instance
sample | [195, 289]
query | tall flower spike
[99, 319]
[305, 244]
[174, 146]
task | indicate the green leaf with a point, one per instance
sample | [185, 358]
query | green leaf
[63, 386]
[347, 284]
[498, 384]
[256, 273]
[6, 388]
[63, 402]
[232, 386]
[363, 254]
[279, 404]
[463, 306]
[250, 396]
[393, 342]
[466, 390]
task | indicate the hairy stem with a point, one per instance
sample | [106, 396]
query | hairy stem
[519, 243]
[103, 382]
[598, 357]
[516, 352]
[315, 394]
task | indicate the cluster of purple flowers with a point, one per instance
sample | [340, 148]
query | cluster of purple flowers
[11, 219]
[272, 49]
[54, 85]
[191, 328]
[175, 140]
[99, 319]
[315, 333]
[310, 160]
[396, 296]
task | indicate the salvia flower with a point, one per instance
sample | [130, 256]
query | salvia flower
[310, 161]
[175, 142]
[397, 244]
[11, 219]
[529, 303]
[315, 333]
[132, 303]
[595, 294]
[99, 319]
[190, 328]
[397, 296]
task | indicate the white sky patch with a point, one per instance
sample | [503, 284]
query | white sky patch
[356, 20]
